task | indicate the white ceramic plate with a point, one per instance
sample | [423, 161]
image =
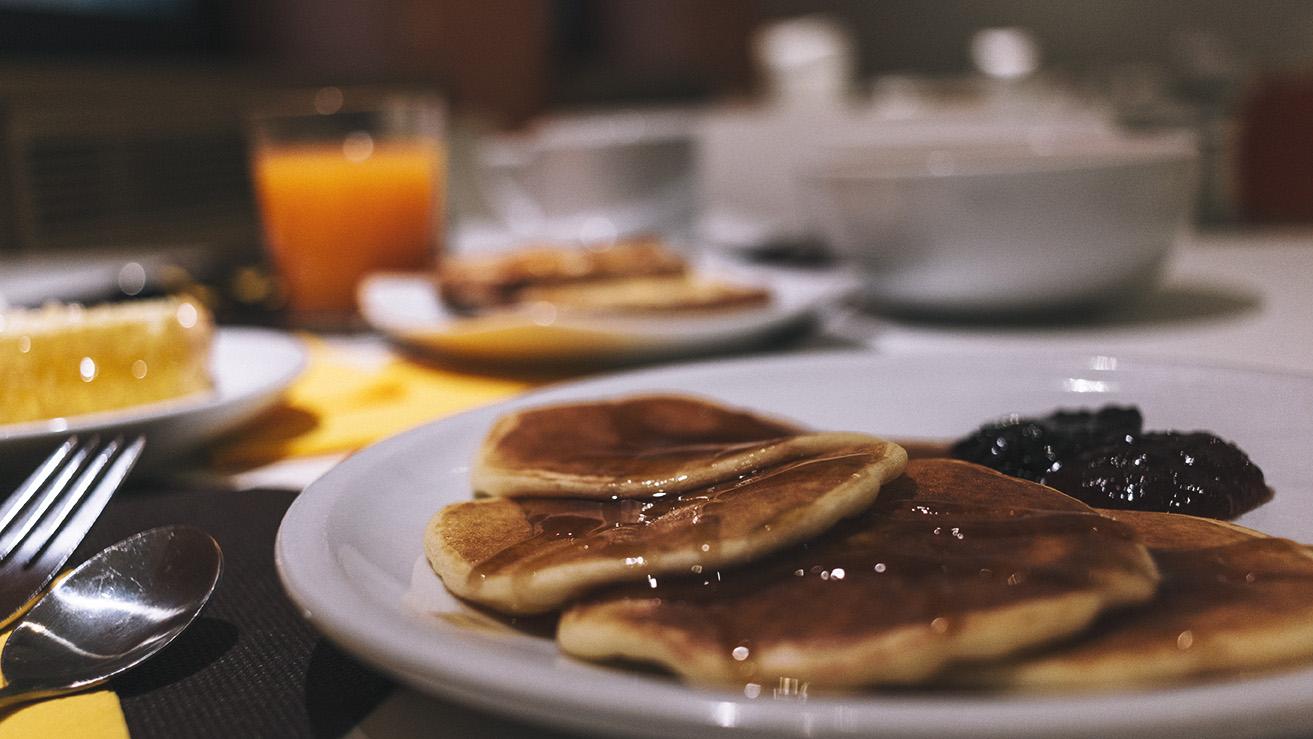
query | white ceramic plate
[349, 550]
[251, 367]
[405, 307]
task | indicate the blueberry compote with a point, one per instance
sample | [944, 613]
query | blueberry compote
[1106, 459]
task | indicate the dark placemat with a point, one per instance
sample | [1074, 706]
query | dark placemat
[249, 666]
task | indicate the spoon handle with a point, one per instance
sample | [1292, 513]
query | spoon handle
[12, 695]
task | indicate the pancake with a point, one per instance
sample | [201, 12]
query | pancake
[1232, 600]
[479, 282]
[628, 447]
[952, 562]
[645, 296]
[529, 555]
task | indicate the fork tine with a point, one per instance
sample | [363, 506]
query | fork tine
[116, 469]
[20, 497]
[48, 547]
[52, 491]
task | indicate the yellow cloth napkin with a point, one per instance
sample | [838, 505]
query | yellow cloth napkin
[95, 715]
[339, 405]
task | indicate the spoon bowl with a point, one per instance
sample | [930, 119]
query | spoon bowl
[115, 610]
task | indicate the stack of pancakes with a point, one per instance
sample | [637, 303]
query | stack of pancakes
[637, 276]
[731, 548]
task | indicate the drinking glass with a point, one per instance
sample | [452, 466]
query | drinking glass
[352, 186]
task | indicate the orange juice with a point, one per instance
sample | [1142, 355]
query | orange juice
[335, 212]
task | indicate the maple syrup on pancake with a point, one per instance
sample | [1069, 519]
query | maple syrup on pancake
[920, 558]
[563, 530]
[907, 562]
[634, 438]
[1214, 581]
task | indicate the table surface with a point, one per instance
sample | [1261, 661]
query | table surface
[1235, 299]
[1238, 299]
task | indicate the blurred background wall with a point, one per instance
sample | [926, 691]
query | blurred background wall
[1083, 37]
[121, 121]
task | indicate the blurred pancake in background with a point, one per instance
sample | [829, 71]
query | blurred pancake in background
[480, 282]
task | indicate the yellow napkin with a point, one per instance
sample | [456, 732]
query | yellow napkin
[339, 405]
[94, 715]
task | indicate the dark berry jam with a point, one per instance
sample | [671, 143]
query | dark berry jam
[1107, 460]
[1030, 447]
[1195, 473]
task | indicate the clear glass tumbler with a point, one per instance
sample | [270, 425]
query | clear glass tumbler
[354, 185]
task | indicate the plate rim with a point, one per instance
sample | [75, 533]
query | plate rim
[173, 408]
[642, 336]
[823, 715]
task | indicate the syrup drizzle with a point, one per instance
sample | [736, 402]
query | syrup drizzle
[638, 529]
[924, 557]
[1207, 592]
[653, 439]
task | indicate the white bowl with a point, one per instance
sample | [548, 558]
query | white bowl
[1003, 226]
[592, 177]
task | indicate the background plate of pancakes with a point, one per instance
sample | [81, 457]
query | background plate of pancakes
[406, 309]
[350, 549]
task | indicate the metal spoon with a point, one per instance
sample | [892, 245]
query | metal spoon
[111, 613]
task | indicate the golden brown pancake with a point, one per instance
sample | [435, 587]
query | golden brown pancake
[1232, 600]
[953, 561]
[926, 448]
[650, 295]
[529, 555]
[487, 281]
[628, 447]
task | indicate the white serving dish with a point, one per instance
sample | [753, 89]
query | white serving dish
[1007, 225]
[350, 551]
[406, 308]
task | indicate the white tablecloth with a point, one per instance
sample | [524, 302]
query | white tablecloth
[1238, 299]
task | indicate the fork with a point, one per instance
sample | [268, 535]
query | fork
[45, 518]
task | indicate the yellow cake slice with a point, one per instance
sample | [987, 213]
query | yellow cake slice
[64, 360]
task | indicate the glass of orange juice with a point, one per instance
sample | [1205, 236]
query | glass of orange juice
[348, 188]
